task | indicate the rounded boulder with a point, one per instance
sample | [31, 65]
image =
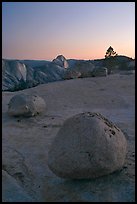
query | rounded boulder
[26, 105]
[88, 145]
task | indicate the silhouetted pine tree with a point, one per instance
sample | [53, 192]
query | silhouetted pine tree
[110, 52]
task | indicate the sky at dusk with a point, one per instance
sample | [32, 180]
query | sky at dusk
[77, 30]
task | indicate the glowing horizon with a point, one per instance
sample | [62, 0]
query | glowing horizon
[77, 30]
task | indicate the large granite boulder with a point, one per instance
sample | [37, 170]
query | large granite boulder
[87, 146]
[26, 105]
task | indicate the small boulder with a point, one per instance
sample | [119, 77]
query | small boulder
[26, 105]
[100, 71]
[71, 74]
[87, 146]
[84, 67]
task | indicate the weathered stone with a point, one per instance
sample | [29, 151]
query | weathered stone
[100, 71]
[12, 191]
[87, 146]
[26, 105]
[71, 74]
[85, 68]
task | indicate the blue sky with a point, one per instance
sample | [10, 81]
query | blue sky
[80, 30]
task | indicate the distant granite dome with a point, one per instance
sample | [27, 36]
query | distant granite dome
[15, 68]
[61, 61]
[22, 74]
[13, 74]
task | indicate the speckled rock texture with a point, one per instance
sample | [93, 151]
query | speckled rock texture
[26, 105]
[87, 146]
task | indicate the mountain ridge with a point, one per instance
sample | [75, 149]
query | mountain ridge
[22, 74]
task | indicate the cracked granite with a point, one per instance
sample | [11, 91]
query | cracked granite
[26, 141]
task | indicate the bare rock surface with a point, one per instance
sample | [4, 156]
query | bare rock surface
[100, 71]
[87, 146]
[85, 68]
[26, 105]
[71, 74]
[26, 140]
[12, 191]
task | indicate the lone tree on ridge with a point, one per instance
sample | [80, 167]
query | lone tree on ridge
[110, 52]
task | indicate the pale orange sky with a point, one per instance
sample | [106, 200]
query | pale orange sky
[77, 30]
